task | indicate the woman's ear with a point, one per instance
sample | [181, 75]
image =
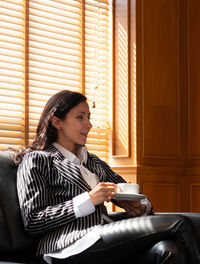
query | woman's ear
[56, 122]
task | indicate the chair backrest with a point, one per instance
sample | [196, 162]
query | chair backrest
[14, 242]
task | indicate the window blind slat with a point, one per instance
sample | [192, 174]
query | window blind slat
[10, 87]
[54, 87]
[10, 94]
[51, 58]
[103, 4]
[62, 36]
[11, 46]
[72, 25]
[51, 79]
[12, 80]
[52, 29]
[12, 4]
[14, 113]
[49, 8]
[65, 17]
[14, 10]
[71, 67]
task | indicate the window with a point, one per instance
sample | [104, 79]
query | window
[12, 73]
[47, 46]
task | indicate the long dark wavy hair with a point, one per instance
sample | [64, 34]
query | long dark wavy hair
[58, 105]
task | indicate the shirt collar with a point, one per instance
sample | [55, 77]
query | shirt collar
[82, 155]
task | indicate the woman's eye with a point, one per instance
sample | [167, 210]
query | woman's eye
[80, 117]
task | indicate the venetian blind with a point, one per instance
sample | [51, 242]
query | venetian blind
[97, 73]
[12, 73]
[68, 49]
[54, 52]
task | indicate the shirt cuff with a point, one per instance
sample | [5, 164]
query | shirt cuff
[83, 205]
[148, 205]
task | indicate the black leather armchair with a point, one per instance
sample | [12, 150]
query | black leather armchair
[15, 245]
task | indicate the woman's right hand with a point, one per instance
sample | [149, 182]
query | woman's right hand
[102, 192]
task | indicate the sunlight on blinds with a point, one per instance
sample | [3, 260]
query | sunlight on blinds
[54, 52]
[65, 46]
[56, 57]
[97, 73]
[11, 73]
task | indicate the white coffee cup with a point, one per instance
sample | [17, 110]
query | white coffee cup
[128, 188]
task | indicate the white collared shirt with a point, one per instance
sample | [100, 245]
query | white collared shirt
[82, 203]
[82, 206]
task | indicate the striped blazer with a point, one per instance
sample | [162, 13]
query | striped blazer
[46, 185]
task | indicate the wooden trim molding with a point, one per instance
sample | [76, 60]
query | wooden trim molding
[26, 69]
[83, 46]
[154, 170]
[160, 170]
[125, 168]
[192, 63]
[192, 171]
[124, 35]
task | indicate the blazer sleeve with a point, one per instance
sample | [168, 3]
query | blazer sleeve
[32, 187]
[111, 176]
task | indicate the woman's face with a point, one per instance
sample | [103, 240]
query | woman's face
[73, 130]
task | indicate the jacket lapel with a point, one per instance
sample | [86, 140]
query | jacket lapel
[94, 166]
[68, 170]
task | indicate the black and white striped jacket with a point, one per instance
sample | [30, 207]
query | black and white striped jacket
[46, 184]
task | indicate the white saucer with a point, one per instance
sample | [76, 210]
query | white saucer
[129, 196]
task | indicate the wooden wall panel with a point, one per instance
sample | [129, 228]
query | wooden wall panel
[167, 164]
[160, 102]
[195, 197]
[192, 163]
[192, 184]
[160, 70]
[165, 197]
[194, 79]
[164, 187]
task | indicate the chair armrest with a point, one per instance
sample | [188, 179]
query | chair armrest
[194, 217]
[116, 216]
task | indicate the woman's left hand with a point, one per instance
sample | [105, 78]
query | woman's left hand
[133, 208]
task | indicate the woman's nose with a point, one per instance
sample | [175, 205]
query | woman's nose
[89, 124]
